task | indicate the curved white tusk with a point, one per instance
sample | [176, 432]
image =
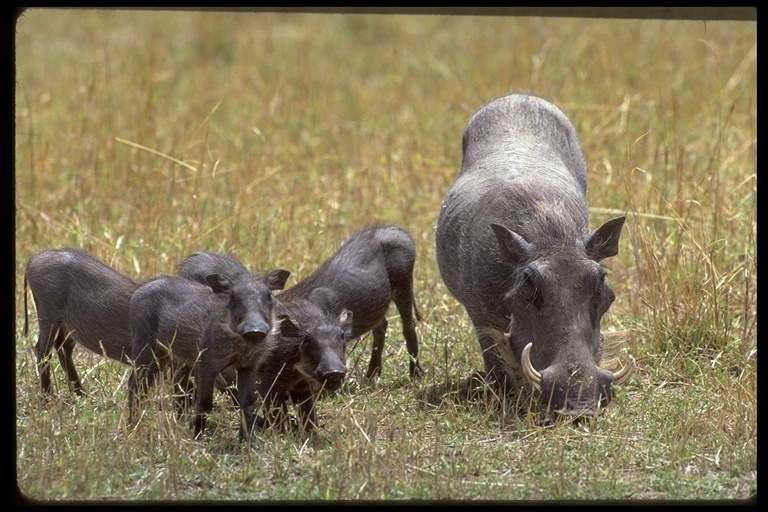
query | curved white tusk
[623, 375]
[533, 376]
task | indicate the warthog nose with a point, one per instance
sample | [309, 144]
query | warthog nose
[254, 336]
[333, 380]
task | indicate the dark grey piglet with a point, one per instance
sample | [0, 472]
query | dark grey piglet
[206, 327]
[201, 264]
[81, 300]
[303, 355]
[514, 247]
[372, 269]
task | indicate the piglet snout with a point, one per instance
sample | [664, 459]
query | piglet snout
[333, 380]
[254, 336]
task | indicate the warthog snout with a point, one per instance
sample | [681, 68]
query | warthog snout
[575, 392]
[254, 336]
[254, 329]
[333, 380]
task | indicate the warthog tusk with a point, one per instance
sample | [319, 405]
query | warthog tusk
[529, 371]
[623, 375]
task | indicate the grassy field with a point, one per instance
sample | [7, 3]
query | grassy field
[141, 136]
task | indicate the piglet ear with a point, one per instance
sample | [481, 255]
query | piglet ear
[276, 279]
[289, 327]
[604, 241]
[218, 282]
[345, 321]
[514, 248]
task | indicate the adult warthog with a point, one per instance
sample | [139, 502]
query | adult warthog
[515, 248]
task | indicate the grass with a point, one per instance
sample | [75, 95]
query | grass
[142, 136]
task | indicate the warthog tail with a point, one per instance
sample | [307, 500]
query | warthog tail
[416, 312]
[26, 321]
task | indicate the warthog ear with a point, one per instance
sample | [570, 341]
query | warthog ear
[289, 327]
[218, 282]
[276, 279]
[604, 241]
[514, 248]
[345, 321]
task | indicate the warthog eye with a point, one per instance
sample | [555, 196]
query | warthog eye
[527, 289]
[602, 298]
[270, 299]
[306, 341]
[232, 301]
